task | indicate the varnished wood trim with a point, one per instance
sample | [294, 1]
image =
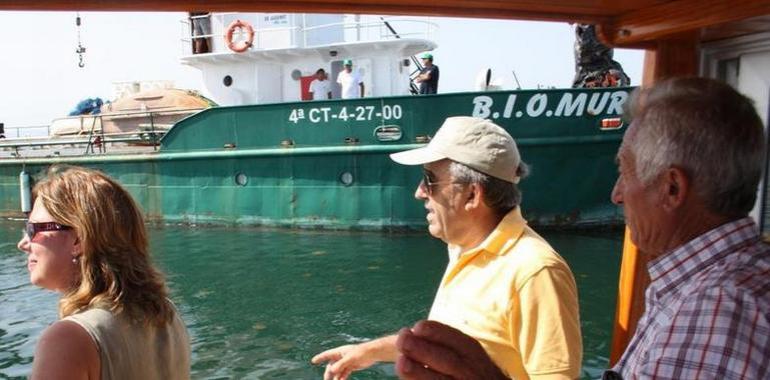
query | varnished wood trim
[568, 11]
[670, 18]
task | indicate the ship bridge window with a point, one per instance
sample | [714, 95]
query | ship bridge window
[227, 80]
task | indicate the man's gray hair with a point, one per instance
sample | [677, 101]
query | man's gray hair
[501, 196]
[709, 130]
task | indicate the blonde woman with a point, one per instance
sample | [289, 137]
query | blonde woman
[85, 238]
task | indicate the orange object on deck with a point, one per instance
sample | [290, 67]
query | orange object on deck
[241, 46]
[632, 284]
[621, 332]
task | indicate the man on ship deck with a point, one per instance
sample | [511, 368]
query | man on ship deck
[689, 164]
[504, 285]
[351, 82]
[320, 87]
[428, 78]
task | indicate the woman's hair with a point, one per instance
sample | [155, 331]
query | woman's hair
[116, 272]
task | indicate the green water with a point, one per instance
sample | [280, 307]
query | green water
[259, 303]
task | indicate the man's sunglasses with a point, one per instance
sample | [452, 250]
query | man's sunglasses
[429, 183]
[31, 228]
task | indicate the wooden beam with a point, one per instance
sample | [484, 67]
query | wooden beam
[673, 17]
[677, 57]
[628, 23]
[556, 10]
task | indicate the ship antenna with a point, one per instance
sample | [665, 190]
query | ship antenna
[518, 85]
[81, 49]
[390, 28]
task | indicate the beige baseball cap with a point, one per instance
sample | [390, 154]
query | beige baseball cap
[477, 143]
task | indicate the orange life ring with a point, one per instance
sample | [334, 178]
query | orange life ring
[241, 46]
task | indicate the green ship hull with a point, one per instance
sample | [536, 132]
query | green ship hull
[325, 164]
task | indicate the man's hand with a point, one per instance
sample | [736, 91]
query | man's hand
[344, 360]
[432, 350]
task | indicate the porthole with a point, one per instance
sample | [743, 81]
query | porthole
[346, 178]
[227, 81]
[241, 179]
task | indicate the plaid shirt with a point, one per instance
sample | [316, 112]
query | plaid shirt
[707, 310]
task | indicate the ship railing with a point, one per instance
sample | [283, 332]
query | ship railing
[368, 29]
[61, 146]
[377, 30]
[26, 131]
[169, 110]
[218, 22]
[96, 122]
[147, 128]
[41, 141]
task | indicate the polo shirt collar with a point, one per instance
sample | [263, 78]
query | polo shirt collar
[506, 234]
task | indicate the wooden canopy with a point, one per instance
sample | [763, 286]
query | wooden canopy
[670, 30]
[630, 23]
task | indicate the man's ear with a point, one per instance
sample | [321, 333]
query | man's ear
[474, 196]
[675, 188]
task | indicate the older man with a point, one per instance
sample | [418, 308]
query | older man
[689, 165]
[689, 169]
[504, 285]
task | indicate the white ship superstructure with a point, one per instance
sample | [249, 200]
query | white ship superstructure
[289, 47]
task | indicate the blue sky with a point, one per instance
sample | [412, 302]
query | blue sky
[40, 79]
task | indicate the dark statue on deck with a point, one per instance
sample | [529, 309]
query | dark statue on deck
[594, 66]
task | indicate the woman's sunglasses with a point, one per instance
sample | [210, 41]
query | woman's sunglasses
[31, 228]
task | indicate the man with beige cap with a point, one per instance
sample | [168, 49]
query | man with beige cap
[504, 285]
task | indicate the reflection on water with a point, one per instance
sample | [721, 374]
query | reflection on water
[259, 303]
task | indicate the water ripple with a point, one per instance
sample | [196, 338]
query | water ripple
[260, 303]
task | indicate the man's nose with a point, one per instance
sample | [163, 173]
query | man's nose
[420, 193]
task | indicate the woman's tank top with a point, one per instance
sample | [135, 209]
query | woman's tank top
[133, 350]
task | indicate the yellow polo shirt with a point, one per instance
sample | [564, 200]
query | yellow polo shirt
[517, 297]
